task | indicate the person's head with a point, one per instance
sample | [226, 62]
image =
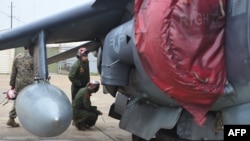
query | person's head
[93, 86]
[82, 54]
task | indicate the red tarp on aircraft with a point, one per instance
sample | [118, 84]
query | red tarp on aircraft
[181, 46]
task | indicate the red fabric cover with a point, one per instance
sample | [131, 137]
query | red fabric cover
[181, 46]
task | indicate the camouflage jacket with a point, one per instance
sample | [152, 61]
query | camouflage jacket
[22, 73]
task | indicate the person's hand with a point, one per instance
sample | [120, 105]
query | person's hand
[78, 83]
[99, 112]
[12, 87]
[94, 107]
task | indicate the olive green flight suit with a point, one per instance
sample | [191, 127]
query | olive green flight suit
[79, 76]
[82, 108]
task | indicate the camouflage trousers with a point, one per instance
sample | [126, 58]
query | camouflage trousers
[12, 113]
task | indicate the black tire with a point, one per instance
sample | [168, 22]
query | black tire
[162, 135]
[168, 135]
[136, 138]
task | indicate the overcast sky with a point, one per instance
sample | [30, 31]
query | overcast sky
[25, 11]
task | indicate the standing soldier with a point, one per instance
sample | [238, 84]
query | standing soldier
[22, 75]
[79, 73]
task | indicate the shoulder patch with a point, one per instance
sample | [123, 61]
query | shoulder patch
[87, 96]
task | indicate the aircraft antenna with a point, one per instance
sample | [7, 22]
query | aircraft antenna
[11, 15]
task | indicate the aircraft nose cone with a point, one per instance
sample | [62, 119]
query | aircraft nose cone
[43, 110]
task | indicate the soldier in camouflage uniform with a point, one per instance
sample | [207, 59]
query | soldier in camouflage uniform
[84, 114]
[21, 75]
[79, 73]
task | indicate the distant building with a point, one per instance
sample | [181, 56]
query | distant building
[6, 57]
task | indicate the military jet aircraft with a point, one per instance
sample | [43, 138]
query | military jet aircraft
[178, 69]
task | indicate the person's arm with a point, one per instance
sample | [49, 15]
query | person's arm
[13, 74]
[73, 75]
[87, 102]
[88, 106]
[88, 74]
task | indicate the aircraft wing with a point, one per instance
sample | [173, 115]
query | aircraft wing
[91, 46]
[89, 21]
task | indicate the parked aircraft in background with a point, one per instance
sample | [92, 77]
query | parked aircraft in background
[178, 69]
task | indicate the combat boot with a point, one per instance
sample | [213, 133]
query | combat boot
[79, 125]
[74, 121]
[11, 122]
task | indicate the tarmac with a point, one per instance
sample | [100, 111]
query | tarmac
[106, 128]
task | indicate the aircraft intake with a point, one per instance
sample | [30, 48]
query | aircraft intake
[117, 55]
